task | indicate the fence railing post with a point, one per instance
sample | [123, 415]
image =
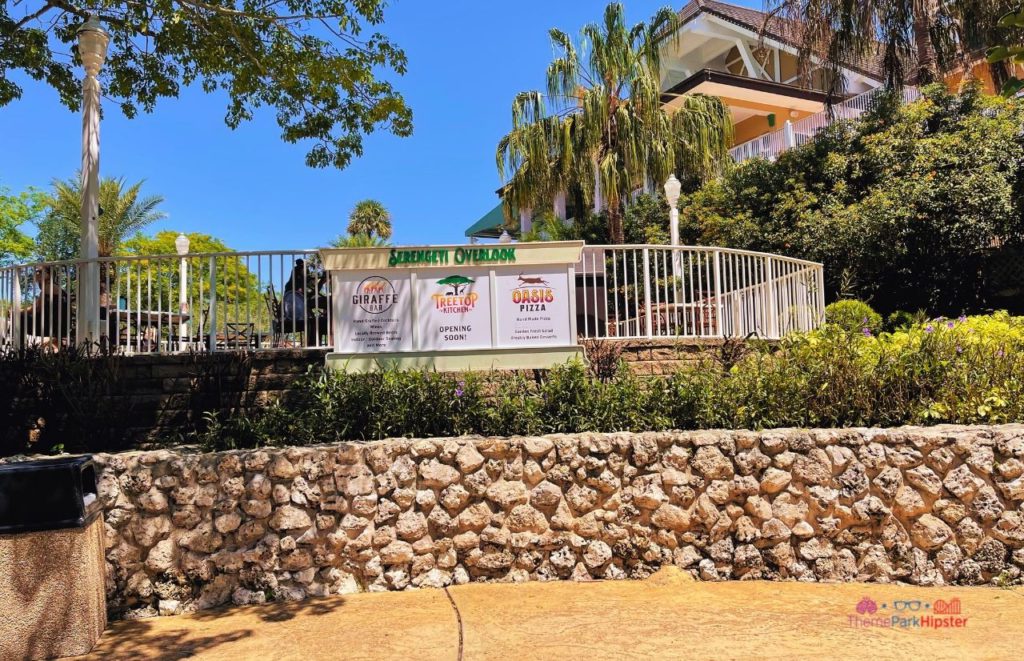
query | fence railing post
[773, 301]
[819, 273]
[719, 330]
[648, 313]
[212, 317]
[16, 309]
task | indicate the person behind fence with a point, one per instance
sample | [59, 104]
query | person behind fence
[293, 300]
[48, 318]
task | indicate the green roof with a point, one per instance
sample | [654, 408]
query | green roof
[490, 226]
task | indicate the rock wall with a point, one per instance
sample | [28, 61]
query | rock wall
[921, 505]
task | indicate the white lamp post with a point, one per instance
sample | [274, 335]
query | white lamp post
[92, 48]
[672, 190]
[181, 245]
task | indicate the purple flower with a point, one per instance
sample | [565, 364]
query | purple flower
[459, 390]
[867, 332]
[949, 325]
[959, 349]
[928, 328]
[999, 354]
[962, 318]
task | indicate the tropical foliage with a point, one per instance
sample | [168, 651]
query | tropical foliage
[17, 211]
[914, 207]
[1011, 53]
[600, 131]
[371, 218]
[959, 371]
[154, 284]
[123, 212]
[913, 40]
[359, 241]
[315, 63]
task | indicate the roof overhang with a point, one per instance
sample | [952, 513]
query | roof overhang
[745, 92]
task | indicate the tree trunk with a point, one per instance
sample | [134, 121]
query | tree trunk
[616, 231]
[927, 61]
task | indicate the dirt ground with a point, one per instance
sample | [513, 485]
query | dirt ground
[666, 616]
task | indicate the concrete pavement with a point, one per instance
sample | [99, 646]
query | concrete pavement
[666, 616]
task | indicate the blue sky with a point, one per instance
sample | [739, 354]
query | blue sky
[467, 59]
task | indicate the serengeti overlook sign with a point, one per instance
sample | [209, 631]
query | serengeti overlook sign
[454, 307]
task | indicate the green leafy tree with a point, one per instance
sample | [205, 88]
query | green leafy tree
[371, 218]
[600, 132]
[123, 212]
[917, 40]
[16, 211]
[239, 294]
[316, 63]
[914, 207]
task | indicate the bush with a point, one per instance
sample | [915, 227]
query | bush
[969, 370]
[853, 317]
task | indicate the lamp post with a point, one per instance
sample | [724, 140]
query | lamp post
[92, 49]
[672, 190]
[181, 245]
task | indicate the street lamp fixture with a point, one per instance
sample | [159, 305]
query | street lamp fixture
[92, 45]
[672, 190]
[92, 48]
[181, 244]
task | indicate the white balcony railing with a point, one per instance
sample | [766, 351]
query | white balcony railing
[792, 134]
[273, 300]
[656, 291]
[171, 303]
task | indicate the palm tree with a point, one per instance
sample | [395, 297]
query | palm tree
[603, 133]
[369, 217]
[122, 214]
[915, 40]
[360, 240]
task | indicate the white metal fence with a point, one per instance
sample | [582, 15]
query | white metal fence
[792, 134]
[656, 291]
[272, 300]
[172, 303]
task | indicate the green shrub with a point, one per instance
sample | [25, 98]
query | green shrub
[902, 320]
[966, 371]
[853, 316]
[969, 370]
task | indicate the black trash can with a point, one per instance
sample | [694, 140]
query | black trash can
[52, 589]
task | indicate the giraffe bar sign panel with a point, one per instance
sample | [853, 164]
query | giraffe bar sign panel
[449, 307]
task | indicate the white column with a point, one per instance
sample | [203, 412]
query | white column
[88, 321]
[183, 335]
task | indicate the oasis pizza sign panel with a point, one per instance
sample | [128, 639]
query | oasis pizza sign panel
[454, 309]
[533, 309]
[374, 313]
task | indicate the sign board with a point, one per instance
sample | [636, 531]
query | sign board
[436, 302]
[372, 313]
[533, 310]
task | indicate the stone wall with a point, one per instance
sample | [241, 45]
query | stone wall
[921, 505]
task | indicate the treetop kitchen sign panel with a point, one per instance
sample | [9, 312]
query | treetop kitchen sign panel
[454, 307]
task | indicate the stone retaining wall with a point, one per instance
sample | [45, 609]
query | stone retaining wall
[925, 506]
